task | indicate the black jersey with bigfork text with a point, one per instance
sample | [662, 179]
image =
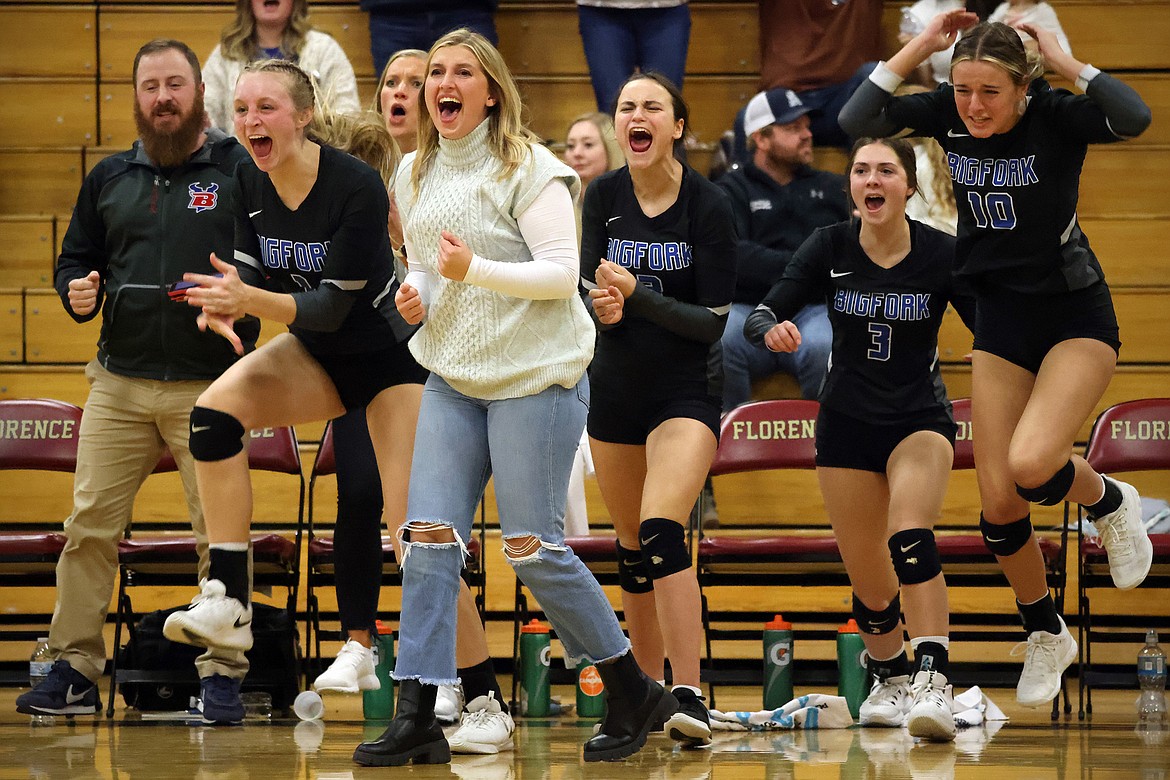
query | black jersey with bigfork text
[686, 253]
[334, 247]
[884, 363]
[1017, 191]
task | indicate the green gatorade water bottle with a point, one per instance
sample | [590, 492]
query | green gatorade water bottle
[534, 665]
[777, 663]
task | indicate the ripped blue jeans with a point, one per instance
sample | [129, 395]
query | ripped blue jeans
[528, 445]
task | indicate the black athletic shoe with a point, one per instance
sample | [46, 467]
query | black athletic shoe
[65, 691]
[219, 701]
[690, 724]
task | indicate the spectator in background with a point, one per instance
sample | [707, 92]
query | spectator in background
[276, 29]
[591, 148]
[621, 36]
[1040, 15]
[778, 199]
[821, 50]
[416, 24]
[934, 198]
[152, 361]
[936, 70]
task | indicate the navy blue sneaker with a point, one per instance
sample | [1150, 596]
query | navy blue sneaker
[219, 700]
[65, 691]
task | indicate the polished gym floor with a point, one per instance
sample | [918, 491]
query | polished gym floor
[1029, 745]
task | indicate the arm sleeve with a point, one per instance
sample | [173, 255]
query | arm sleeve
[1126, 115]
[246, 256]
[549, 228]
[594, 240]
[713, 255]
[874, 111]
[84, 247]
[594, 243]
[802, 283]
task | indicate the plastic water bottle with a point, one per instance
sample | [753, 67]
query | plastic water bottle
[534, 668]
[852, 674]
[777, 663]
[379, 704]
[1151, 671]
[39, 664]
[909, 25]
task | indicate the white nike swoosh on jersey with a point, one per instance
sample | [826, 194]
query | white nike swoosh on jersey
[910, 547]
[953, 134]
[73, 698]
[611, 219]
[253, 213]
[200, 428]
[837, 275]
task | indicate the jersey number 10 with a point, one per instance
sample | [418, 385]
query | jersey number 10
[994, 210]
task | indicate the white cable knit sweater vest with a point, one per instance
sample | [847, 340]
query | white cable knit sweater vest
[486, 344]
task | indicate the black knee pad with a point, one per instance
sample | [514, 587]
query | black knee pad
[664, 547]
[1054, 490]
[915, 555]
[633, 575]
[1006, 539]
[214, 435]
[872, 621]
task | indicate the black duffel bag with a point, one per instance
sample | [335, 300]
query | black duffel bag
[273, 659]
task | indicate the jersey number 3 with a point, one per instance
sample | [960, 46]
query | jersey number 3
[879, 336]
[995, 210]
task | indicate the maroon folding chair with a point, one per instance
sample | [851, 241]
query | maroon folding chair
[167, 554]
[35, 435]
[1133, 436]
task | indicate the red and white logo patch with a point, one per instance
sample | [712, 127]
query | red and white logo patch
[203, 198]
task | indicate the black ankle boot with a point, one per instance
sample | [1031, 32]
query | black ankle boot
[413, 735]
[634, 704]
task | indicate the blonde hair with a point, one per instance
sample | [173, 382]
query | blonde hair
[1000, 45]
[238, 39]
[614, 158]
[363, 135]
[508, 139]
[418, 54]
[940, 178]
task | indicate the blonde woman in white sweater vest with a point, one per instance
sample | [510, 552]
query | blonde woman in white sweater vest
[488, 217]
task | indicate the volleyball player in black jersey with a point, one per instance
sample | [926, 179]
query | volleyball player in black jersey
[658, 239]
[1046, 337]
[885, 434]
[312, 252]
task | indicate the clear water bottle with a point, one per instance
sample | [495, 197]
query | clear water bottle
[1151, 671]
[908, 26]
[39, 664]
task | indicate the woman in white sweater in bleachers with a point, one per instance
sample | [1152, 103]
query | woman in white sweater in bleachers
[276, 29]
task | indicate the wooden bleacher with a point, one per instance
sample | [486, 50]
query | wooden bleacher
[65, 105]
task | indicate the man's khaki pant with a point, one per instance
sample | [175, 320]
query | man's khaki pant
[126, 424]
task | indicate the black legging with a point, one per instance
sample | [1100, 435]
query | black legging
[357, 538]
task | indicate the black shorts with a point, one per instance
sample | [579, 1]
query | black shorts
[360, 377]
[1021, 327]
[629, 416]
[845, 442]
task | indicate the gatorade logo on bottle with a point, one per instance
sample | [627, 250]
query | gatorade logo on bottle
[781, 653]
[545, 656]
[590, 681]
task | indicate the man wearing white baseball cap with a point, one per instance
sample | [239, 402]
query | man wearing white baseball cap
[778, 199]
